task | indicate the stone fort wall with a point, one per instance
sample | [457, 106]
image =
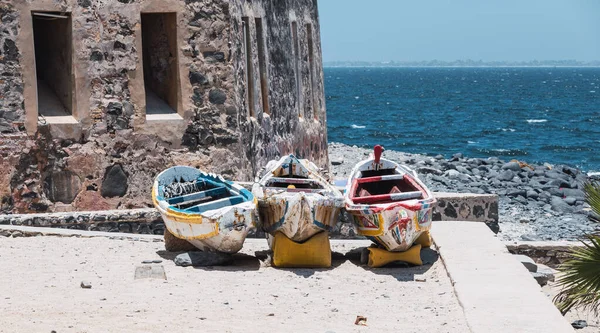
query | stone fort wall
[98, 96]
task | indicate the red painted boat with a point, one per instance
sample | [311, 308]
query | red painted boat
[389, 203]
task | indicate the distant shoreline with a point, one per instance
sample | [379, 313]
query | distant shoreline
[451, 66]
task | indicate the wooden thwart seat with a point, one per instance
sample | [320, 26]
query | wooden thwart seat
[230, 201]
[388, 197]
[307, 190]
[292, 180]
[379, 178]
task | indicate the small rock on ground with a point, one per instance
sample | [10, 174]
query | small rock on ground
[86, 285]
[579, 324]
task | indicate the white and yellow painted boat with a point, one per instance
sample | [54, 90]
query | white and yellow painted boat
[211, 213]
[294, 199]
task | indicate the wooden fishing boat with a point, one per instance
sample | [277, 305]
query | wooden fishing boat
[211, 213]
[294, 199]
[389, 203]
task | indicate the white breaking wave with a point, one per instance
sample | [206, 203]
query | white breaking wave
[537, 120]
[472, 142]
[358, 126]
[508, 129]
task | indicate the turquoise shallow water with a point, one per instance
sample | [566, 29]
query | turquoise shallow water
[531, 114]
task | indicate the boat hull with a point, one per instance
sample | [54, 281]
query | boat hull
[296, 200]
[299, 216]
[223, 229]
[395, 226]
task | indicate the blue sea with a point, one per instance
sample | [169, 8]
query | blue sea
[531, 114]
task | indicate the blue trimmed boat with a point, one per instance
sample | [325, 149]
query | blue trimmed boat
[211, 213]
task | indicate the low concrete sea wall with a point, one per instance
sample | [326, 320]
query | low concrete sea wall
[549, 253]
[452, 207]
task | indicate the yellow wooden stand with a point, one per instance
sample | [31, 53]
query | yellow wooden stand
[424, 239]
[380, 257]
[313, 253]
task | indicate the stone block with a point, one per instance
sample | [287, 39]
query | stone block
[466, 207]
[527, 262]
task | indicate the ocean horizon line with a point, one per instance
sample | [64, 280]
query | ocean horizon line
[456, 66]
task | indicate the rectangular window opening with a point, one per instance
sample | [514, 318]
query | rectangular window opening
[311, 67]
[161, 68]
[249, 67]
[262, 66]
[297, 68]
[53, 63]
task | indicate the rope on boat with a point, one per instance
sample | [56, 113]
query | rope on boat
[178, 189]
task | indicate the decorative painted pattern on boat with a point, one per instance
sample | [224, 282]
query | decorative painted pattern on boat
[296, 200]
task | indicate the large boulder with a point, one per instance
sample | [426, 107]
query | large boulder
[62, 186]
[115, 182]
[513, 166]
[506, 175]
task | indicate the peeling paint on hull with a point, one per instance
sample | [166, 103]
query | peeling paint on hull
[299, 213]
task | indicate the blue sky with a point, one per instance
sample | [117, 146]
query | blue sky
[490, 30]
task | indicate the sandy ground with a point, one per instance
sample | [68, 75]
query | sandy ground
[40, 292]
[593, 320]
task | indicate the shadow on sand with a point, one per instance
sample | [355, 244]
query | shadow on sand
[336, 260]
[401, 271]
[243, 262]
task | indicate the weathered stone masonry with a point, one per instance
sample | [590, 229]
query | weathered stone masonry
[105, 151]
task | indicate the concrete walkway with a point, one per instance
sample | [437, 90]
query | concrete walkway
[40, 291]
[496, 292]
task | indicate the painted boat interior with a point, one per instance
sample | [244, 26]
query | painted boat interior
[293, 177]
[186, 190]
[384, 186]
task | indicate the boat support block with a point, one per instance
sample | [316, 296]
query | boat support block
[313, 253]
[379, 257]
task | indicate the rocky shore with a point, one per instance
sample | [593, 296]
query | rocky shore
[536, 202]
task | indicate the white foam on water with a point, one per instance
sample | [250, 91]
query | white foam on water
[537, 120]
[592, 91]
[472, 142]
[508, 130]
[356, 97]
[357, 126]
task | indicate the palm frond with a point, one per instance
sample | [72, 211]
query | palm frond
[592, 196]
[581, 279]
[581, 274]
